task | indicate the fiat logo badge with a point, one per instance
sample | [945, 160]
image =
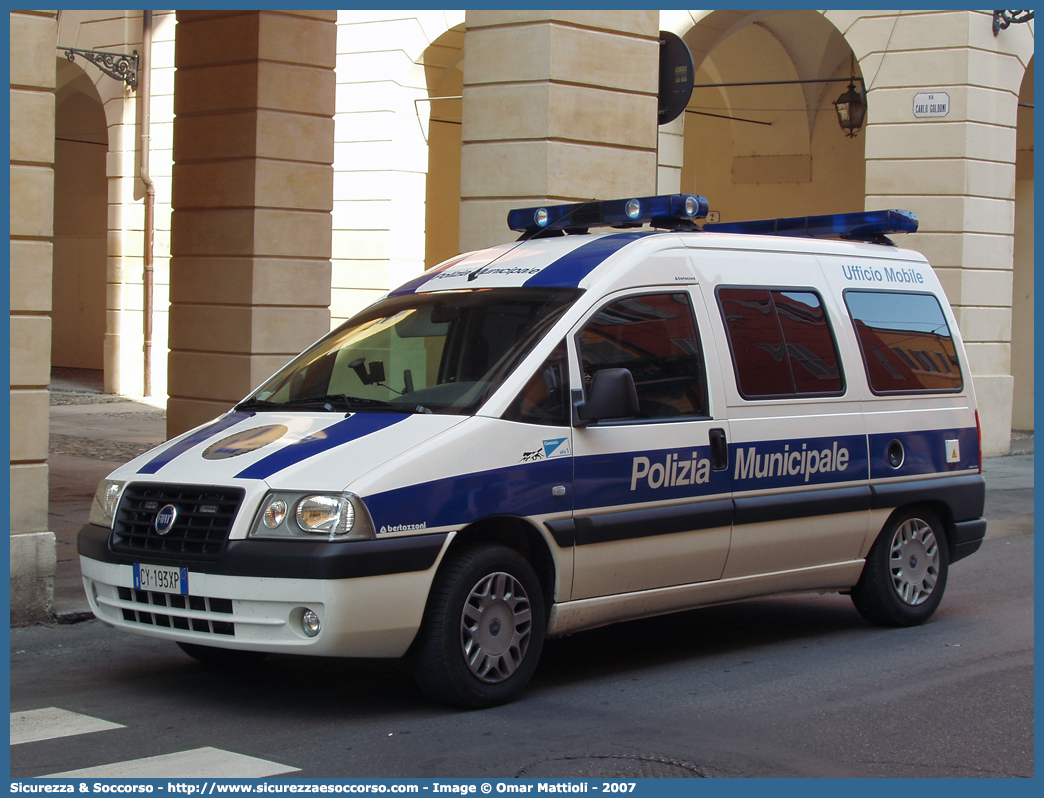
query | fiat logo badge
[165, 519]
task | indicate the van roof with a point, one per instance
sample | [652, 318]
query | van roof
[566, 261]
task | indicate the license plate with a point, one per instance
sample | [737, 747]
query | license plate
[161, 578]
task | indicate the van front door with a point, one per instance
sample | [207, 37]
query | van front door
[652, 493]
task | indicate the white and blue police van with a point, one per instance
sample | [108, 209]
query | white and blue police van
[562, 432]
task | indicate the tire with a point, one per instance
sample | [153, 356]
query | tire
[222, 658]
[483, 629]
[905, 572]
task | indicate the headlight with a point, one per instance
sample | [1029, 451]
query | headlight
[332, 515]
[106, 498]
[335, 516]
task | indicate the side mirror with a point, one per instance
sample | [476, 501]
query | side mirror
[611, 395]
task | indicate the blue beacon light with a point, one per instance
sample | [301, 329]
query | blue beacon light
[680, 212]
[669, 210]
[860, 226]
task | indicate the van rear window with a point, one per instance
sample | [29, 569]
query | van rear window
[906, 343]
[780, 341]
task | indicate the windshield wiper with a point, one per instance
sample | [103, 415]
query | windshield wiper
[257, 404]
[327, 402]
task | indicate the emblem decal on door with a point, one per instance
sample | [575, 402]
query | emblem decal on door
[557, 447]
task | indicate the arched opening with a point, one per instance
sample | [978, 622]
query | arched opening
[80, 223]
[442, 62]
[1022, 278]
[771, 150]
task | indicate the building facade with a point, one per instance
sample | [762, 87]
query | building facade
[302, 163]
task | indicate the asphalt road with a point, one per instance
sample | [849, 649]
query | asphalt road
[797, 686]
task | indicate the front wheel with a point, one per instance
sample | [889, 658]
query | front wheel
[483, 629]
[905, 572]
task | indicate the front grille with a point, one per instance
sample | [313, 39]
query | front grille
[155, 602]
[204, 519]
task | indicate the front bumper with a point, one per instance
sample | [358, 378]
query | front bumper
[369, 595]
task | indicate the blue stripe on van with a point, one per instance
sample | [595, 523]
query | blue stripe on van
[570, 269]
[605, 481]
[798, 462]
[519, 490]
[352, 428]
[925, 452]
[415, 284]
[196, 438]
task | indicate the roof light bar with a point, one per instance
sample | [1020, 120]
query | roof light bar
[668, 210]
[861, 226]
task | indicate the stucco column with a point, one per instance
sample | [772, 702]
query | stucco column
[558, 106]
[956, 171]
[382, 160]
[1022, 349]
[252, 196]
[670, 156]
[33, 36]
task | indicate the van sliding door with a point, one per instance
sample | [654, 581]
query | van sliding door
[798, 448]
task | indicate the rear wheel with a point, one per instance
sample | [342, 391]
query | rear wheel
[483, 630]
[222, 657]
[905, 572]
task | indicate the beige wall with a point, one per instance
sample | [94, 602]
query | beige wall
[121, 31]
[767, 151]
[1022, 322]
[557, 106]
[381, 151]
[80, 221]
[443, 63]
[32, 201]
[957, 172]
[252, 195]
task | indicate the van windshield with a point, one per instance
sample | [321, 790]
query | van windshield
[439, 353]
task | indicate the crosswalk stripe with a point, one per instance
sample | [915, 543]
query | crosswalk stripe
[198, 763]
[51, 723]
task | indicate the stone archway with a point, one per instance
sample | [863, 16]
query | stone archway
[1022, 278]
[381, 150]
[443, 73]
[80, 222]
[770, 150]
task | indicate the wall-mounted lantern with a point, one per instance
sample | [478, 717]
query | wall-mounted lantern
[851, 107]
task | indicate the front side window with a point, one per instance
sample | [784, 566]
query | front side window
[545, 397]
[441, 353]
[780, 341]
[906, 343]
[655, 337]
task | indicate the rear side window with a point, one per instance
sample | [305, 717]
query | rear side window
[781, 342]
[906, 343]
[655, 337]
